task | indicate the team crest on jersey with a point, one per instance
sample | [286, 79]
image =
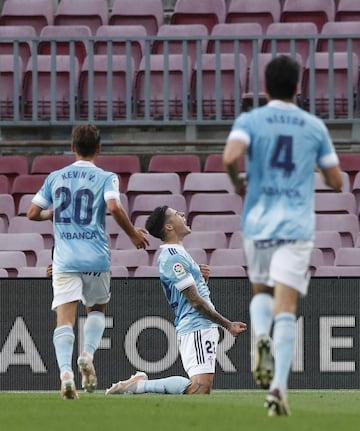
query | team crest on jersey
[178, 269]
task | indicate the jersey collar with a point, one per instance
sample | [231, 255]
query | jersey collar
[179, 246]
[83, 163]
[282, 105]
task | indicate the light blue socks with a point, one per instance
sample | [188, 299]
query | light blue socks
[168, 385]
[284, 345]
[63, 340]
[261, 313]
[93, 331]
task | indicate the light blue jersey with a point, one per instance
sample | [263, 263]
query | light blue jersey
[285, 143]
[178, 271]
[78, 194]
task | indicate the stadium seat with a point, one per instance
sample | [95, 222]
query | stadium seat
[356, 190]
[283, 37]
[197, 32]
[149, 14]
[3, 273]
[254, 11]
[347, 10]
[144, 204]
[21, 224]
[91, 13]
[11, 79]
[240, 42]
[152, 183]
[217, 85]
[66, 87]
[208, 13]
[316, 259]
[337, 271]
[79, 34]
[106, 99]
[227, 271]
[317, 11]
[3, 225]
[209, 241]
[333, 31]
[32, 272]
[227, 223]
[37, 13]
[12, 261]
[29, 243]
[214, 203]
[228, 257]
[123, 242]
[182, 164]
[20, 35]
[350, 163]
[236, 240]
[4, 185]
[169, 86]
[131, 259]
[347, 256]
[206, 182]
[122, 37]
[119, 271]
[320, 186]
[214, 163]
[146, 271]
[122, 164]
[347, 225]
[335, 203]
[343, 104]
[255, 94]
[12, 166]
[44, 258]
[26, 184]
[328, 242]
[24, 203]
[45, 163]
[7, 208]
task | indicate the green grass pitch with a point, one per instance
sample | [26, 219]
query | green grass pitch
[221, 411]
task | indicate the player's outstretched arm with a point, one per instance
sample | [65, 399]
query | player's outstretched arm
[36, 213]
[204, 308]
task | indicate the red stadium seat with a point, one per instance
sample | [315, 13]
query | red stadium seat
[206, 182]
[37, 13]
[182, 164]
[144, 204]
[146, 271]
[149, 14]
[214, 163]
[226, 257]
[26, 184]
[92, 13]
[32, 272]
[44, 164]
[121, 37]
[7, 208]
[347, 225]
[347, 10]
[227, 223]
[106, 99]
[335, 203]
[347, 256]
[254, 11]
[208, 13]
[222, 75]
[29, 243]
[119, 271]
[198, 33]
[79, 39]
[159, 100]
[320, 186]
[328, 242]
[11, 79]
[12, 166]
[337, 271]
[131, 259]
[12, 261]
[19, 35]
[20, 224]
[236, 240]
[316, 11]
[4, 185]
[67, 79]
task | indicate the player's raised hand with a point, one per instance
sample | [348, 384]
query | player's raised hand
[140, 240]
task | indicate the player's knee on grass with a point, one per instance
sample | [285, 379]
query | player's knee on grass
[201, 384]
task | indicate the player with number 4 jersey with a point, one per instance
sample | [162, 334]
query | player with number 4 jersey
[283, 146]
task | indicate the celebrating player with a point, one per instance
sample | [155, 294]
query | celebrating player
[283, 145]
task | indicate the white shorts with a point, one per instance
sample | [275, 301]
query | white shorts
[282, 261]
[198, 351]
[89, 287]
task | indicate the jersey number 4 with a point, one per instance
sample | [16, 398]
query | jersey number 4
[282, 157]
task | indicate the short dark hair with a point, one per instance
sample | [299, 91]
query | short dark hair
[155, 222]
[86, 138]
[281, 77]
